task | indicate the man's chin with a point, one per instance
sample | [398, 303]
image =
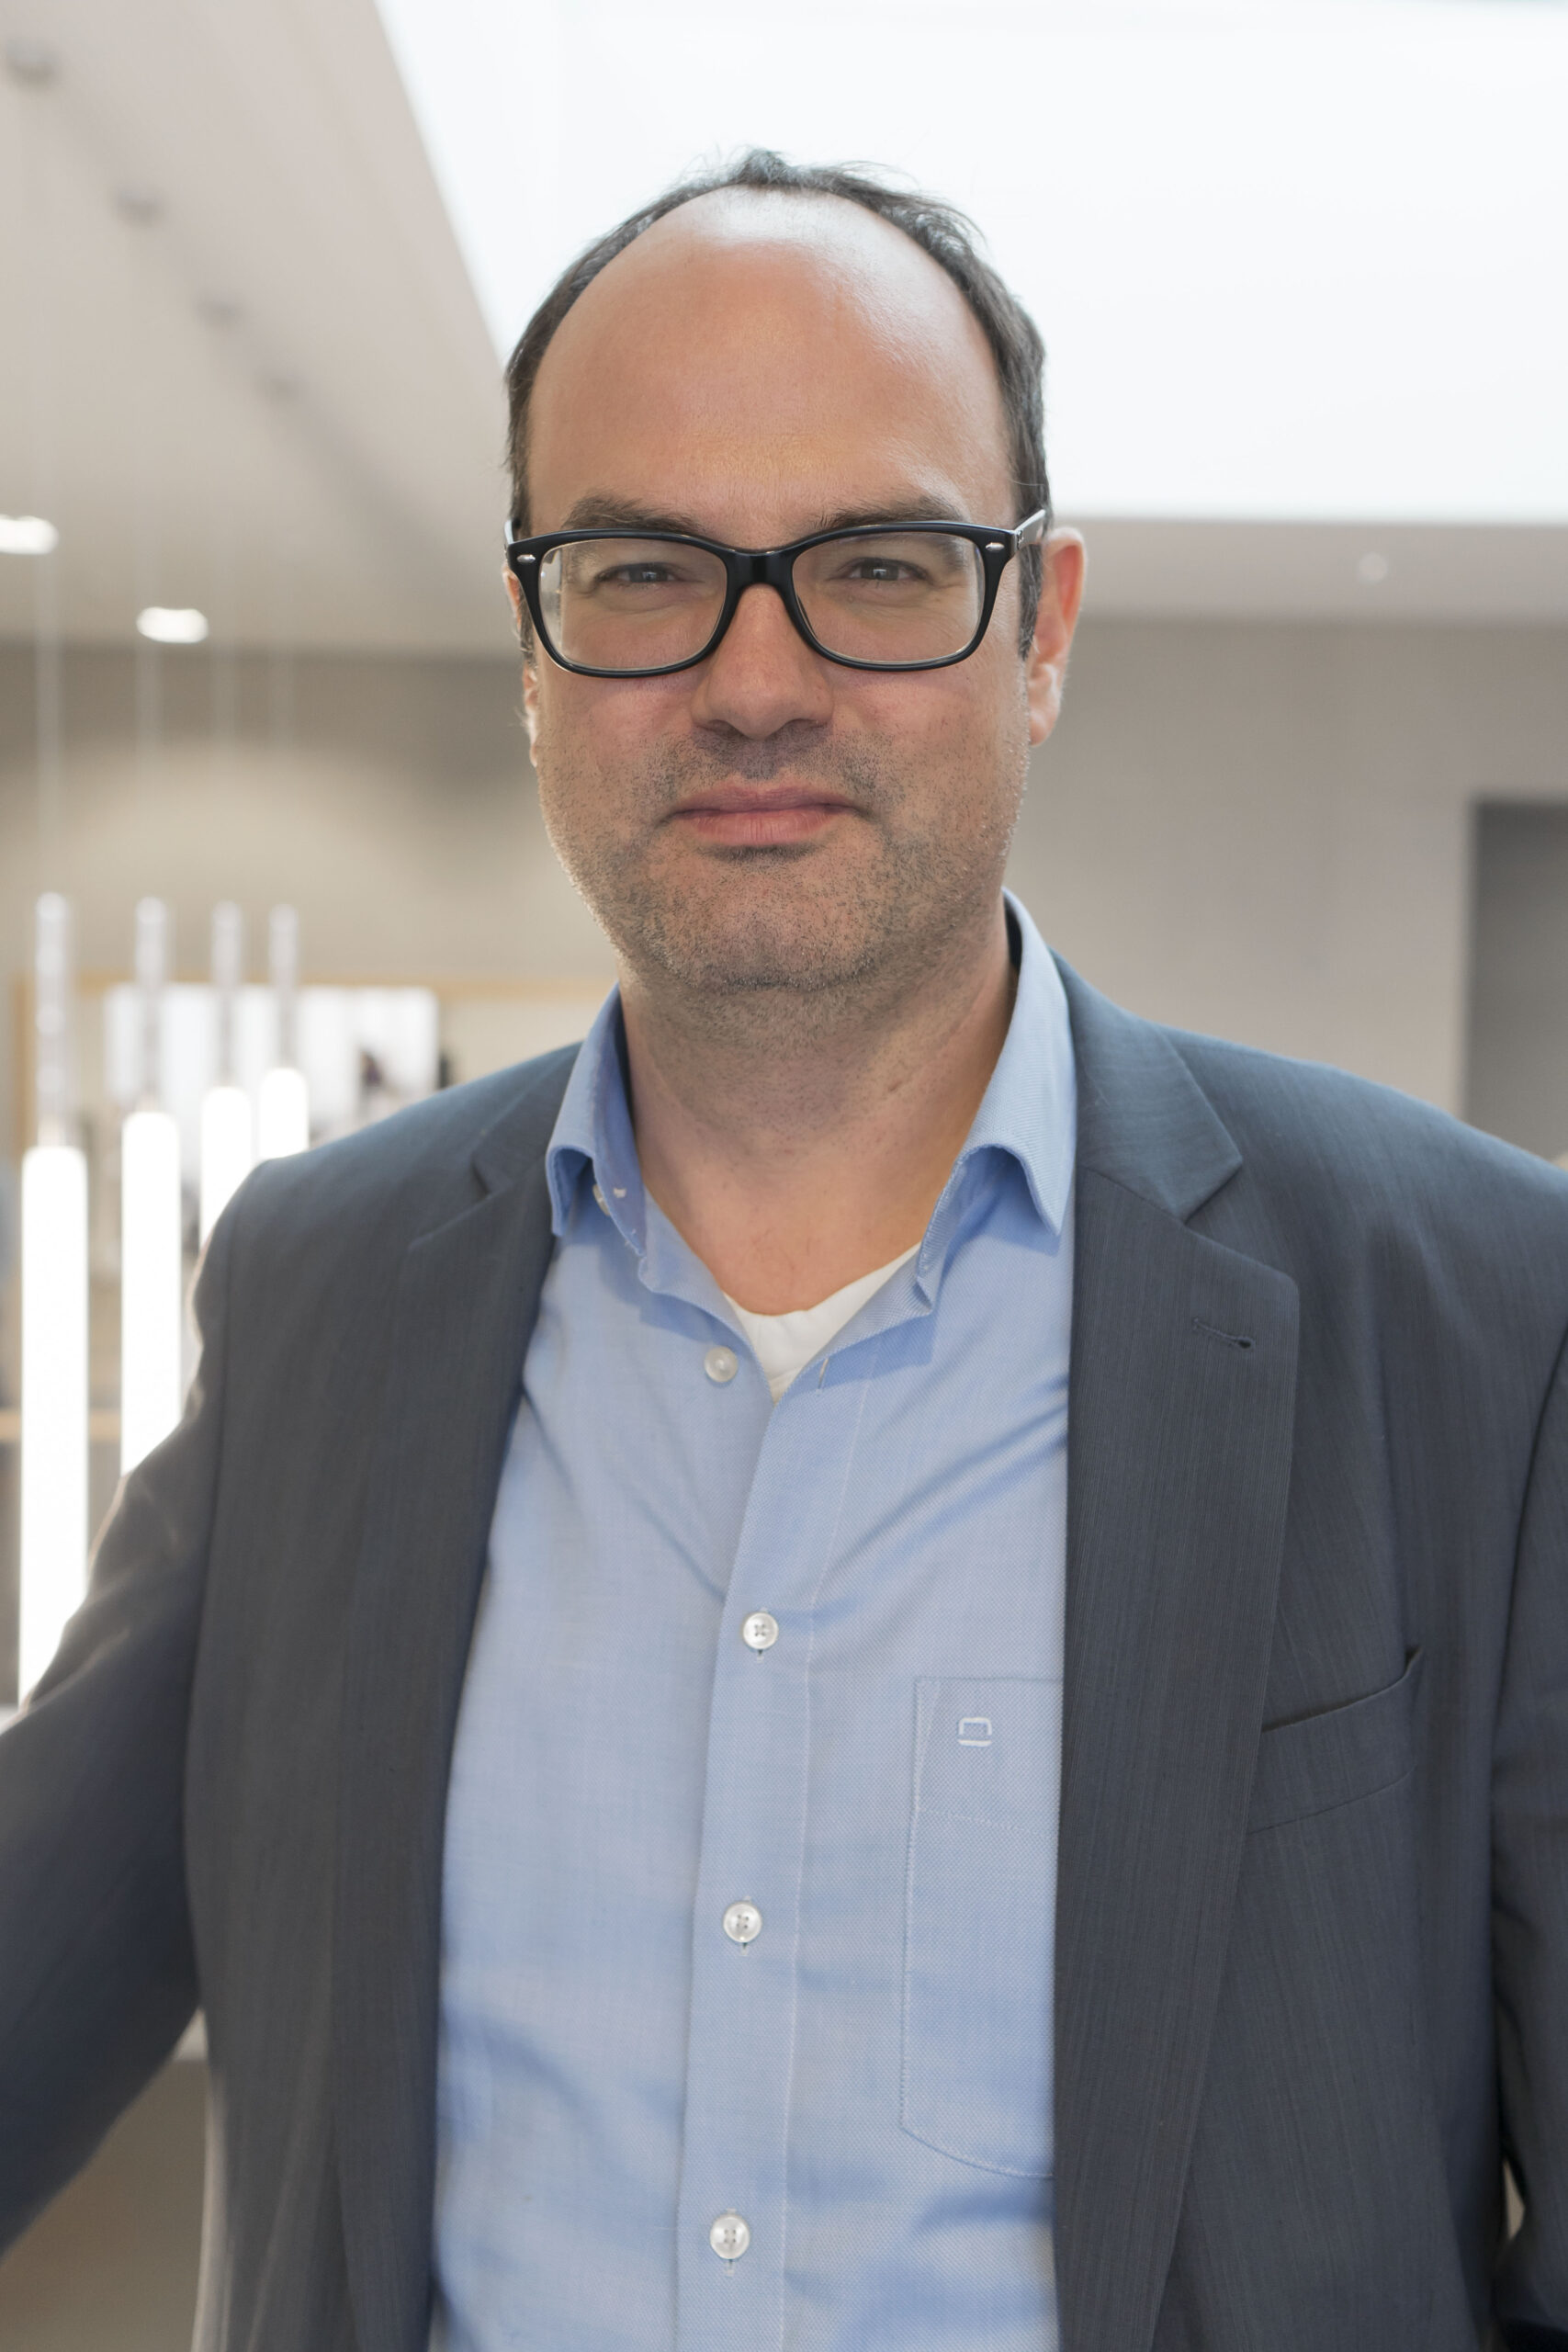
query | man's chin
[719, 966]
[753, 942]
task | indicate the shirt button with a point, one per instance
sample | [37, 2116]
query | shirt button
[602, 1201]
[760, 1631]
[743, 1923]
[730, 2236]
[721, 1365]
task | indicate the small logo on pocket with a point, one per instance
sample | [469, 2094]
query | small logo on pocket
[974, 1731]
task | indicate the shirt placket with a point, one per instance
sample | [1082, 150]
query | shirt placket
[733, 2209]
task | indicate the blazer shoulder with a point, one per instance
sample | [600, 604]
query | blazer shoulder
[1338, 1172]
[1181, 1117]
[1300, 1115]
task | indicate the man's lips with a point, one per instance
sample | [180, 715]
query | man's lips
[758, 816]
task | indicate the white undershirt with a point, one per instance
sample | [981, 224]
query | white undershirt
[785, 1344]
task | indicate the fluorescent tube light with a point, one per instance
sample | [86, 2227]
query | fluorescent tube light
[283, 1111]
[228, 1138]
[26, 535]
[54, 1399]
[227, 1150]
[283, 1118]
[149, 1303]
[151, 1222]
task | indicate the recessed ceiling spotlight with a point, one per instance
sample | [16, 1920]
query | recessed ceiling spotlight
[172, 624]
[1372, 569]
[140, 206]
[32, 61]
[26, 535]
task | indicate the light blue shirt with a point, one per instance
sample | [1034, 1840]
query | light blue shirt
[865, 2083]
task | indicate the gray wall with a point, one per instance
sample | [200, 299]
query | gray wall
[386, 799]
[1516, 1080]
[1263, 830]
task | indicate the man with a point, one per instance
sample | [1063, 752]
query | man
[885, 1665]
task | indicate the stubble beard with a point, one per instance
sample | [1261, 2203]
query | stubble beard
[794, 940]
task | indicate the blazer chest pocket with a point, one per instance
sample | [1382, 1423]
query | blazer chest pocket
[979, 1922]
[1333, 1758]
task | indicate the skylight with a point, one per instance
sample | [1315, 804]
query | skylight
[1293, 259]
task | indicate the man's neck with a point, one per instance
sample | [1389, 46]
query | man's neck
[797, 1147]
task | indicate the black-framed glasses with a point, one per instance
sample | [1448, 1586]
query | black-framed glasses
[880, 596]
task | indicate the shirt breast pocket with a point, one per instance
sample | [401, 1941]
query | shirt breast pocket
[980, 1922]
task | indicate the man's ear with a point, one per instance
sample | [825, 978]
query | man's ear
[530, 668]
[1061, 593]
[514, 599]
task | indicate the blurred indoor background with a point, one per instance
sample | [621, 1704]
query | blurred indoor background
[1300, 265]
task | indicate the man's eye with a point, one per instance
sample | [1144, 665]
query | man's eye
[635, 575]
[881, 568]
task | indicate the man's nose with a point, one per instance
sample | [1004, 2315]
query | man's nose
[764, 675]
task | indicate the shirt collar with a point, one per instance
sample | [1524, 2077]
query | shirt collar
[1029, 1108]
[1028, 1111]
[593, 1131]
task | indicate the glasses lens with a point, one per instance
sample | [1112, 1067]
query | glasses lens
[620, 603]
[892, 596]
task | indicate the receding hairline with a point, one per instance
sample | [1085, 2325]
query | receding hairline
[850, 225]
[863, 245]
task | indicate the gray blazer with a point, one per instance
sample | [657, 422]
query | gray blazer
[1311, 1935]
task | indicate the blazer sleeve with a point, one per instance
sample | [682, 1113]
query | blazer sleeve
[98, 1977]
[1530, 1899]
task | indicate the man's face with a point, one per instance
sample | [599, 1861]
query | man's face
[752, 370]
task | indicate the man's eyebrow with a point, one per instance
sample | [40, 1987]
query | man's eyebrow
[907, 510]
[598, 513]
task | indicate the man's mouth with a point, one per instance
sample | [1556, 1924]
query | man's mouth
[758, 816]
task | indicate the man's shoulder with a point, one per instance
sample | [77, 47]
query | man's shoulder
[1306, 1122]
[1258, 1123]
[410, 1172]
[1363, 1194]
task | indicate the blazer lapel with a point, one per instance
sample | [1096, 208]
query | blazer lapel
[467, 1299]
[1180, 1414]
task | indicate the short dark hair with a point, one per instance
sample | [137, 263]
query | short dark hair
[940, 230]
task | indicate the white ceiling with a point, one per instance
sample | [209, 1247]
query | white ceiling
[274, 399]
[277, 399]
[1294, 259]
[1300, 263]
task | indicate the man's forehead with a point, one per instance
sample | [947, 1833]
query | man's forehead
[753, 250]
[789, 341]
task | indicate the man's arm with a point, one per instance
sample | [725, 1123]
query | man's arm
[1531, 1898]
[97, 1976]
